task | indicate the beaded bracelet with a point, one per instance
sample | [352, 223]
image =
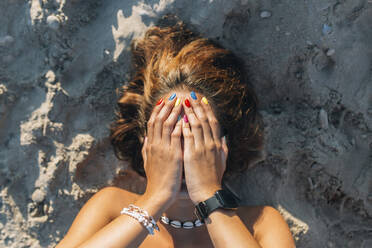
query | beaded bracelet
[142, 216]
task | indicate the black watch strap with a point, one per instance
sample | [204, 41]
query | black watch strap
[221, 199]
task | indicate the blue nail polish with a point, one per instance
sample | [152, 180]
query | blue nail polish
[193, 96]
[172, 97]
[179, 118]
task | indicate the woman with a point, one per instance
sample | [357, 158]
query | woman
[187, 103]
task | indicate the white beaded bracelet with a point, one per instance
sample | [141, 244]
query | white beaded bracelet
[142, 216]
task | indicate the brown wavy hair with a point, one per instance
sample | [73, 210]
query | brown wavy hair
[174, 57]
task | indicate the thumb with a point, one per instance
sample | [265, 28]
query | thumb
[188, 137]
[143, 151]
[225, 150]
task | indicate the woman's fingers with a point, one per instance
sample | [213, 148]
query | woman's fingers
[161, 117]
[213, 122]
[151, 122]
[188, 137]
[202, 117]
[196, 127]
[170, 122]
[176, 135]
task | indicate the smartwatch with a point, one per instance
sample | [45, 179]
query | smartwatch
[221, 199]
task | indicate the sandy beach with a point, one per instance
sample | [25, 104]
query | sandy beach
[310, 63]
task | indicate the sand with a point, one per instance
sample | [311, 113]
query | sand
[61, 61]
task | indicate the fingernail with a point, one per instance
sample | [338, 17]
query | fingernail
[160, 101]
[193, 95]
[224, 138]
[205, 100]
[185, 119]
[172, 97]
[179, 118]
[187, 103]
[177, 102]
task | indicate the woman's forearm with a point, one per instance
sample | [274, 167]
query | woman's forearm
[227, 230]
[125, 231]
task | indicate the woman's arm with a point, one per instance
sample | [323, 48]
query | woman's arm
[96, 214]
[205, 158]
[162, 143]
[125, 231]
[227, 229]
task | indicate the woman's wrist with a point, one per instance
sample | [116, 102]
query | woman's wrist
[205, 194]
[154, 204]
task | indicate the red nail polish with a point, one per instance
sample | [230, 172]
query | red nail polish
[160, 101]
[185, 118]
[187, 103]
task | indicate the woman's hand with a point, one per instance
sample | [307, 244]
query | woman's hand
[162, 151]
[205, 152]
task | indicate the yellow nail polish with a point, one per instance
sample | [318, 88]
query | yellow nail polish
[205, 100]
[177, 102]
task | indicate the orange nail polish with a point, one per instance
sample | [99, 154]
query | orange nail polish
[160, 101]
[187, 103]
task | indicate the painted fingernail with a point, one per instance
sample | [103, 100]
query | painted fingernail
[187, 103]
[160, 101]
[185, 119]
[205, 100]
[179, 118]
[172, 97]
[193, 95]
[177, 102]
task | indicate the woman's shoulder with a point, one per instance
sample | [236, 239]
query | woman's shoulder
[266, 224]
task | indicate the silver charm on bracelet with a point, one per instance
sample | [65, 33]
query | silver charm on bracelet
[142, 216]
